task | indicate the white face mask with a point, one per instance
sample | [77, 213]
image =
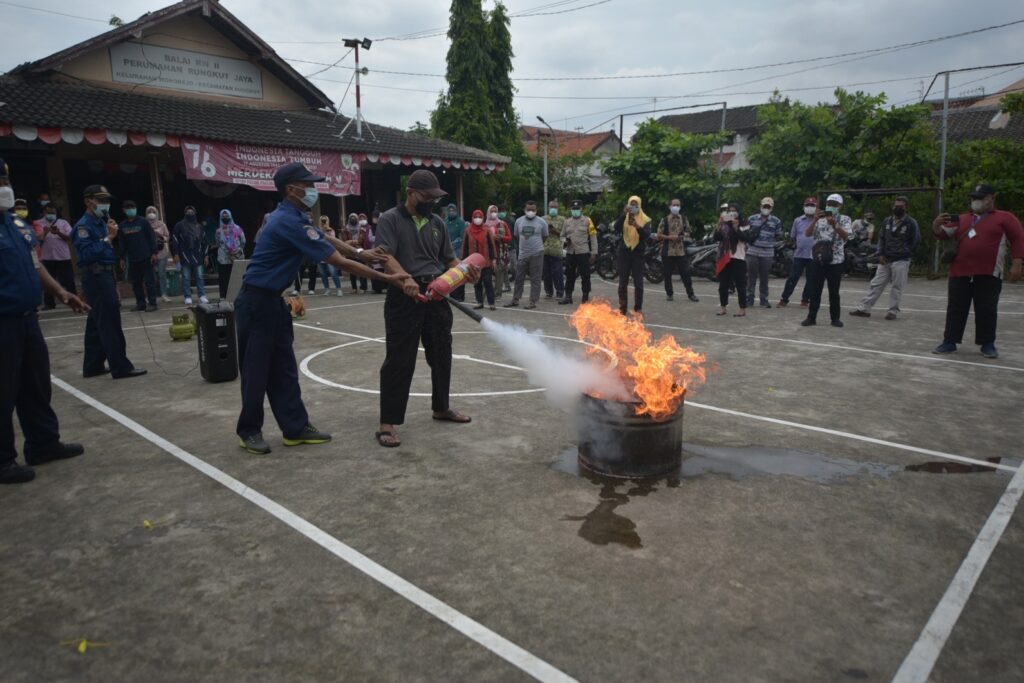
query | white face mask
[6, 197]
[977, 205]
[494, 216]
[362, 223]
[478, 221]
[766, 212]
[674, 210]
[102, 209]
[151, 216]
[529, 214]
[810, 210]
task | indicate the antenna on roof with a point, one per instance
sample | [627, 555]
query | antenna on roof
[355, 44]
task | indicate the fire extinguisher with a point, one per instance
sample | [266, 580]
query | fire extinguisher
[453, 278]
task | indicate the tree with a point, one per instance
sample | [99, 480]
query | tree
[420, 128]
[1013, 103]
[499, 82]
[464, 112]
[664, 163]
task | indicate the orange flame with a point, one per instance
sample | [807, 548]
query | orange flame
[660, 372]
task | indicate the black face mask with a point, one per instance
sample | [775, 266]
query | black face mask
[424, 209]
[899, 211]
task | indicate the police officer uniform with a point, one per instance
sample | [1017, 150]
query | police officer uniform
[24, 357]
[264, 321]
[104, 338]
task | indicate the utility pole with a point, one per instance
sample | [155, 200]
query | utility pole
[355, 44]
[545, 161]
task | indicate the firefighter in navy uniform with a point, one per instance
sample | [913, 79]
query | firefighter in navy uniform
[264, 321]
[104, 338]
[24, 358]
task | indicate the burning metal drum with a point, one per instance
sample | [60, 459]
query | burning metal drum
[615, 441]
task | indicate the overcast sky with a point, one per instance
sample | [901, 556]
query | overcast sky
[602, 38]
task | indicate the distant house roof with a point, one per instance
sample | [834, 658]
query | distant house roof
[211, 11]
[51, 105]
[980, 123]
[993, 99]
[566, 142]
[737, 119]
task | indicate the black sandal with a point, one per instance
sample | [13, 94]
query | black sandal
[388, 444]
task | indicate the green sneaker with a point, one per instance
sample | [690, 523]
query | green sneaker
[310, 434]
[254, 443]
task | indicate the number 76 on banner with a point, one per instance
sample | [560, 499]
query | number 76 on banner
[205, 166]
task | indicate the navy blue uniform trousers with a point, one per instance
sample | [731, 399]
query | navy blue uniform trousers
[104, 338]
[25, 387]
[267, 362]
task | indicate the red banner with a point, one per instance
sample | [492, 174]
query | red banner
[254, 165]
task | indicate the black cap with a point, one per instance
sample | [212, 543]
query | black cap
[295, 172]
[982, 190]
[94, 190]
[425, 181]
[576, 204]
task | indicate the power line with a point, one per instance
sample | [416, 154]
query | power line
[51, 11]
[870, 52]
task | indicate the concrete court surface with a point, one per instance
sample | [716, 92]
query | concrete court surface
[826, 572]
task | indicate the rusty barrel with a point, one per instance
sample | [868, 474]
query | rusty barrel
[615, 441]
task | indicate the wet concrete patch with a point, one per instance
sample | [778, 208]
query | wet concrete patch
[740, 463]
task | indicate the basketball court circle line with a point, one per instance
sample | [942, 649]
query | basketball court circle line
[475, 631]
[360, 339]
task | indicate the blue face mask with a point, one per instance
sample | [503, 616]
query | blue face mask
[552, 212]
[130, 213]
[576, 213]
[309, 199]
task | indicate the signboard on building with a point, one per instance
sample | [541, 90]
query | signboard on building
[164, 67]
[254, 165]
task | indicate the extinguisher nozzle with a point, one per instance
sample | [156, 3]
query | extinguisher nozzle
[465, 309]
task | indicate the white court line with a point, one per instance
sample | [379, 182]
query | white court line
[79, 334]
[842, 347]
[126, 313]
[475, 631]
[785, 423]
[857, 437]
[918, 665]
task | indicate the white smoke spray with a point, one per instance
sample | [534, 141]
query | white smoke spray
[565, 376]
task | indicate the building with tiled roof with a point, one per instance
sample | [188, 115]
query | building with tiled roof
[564, 143]
[740, 123]
[186, 105]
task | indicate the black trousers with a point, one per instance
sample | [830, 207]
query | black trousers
[407, 324]
[356, 280]
[25, 368]
[681, 265]
[267, 363]
[734, 276]
[143, 283]
[983, 291]
[630, 263]
[817, 276]
[577, 264]
[104, 339]
[64, 273]
[310, 271]
[224, 278]
[485, 287]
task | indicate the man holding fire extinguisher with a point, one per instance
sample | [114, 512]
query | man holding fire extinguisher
[418, 240]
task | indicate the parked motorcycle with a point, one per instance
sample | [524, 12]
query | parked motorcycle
[654, 268]
[859, 257]
[703, 255]
[782, 264]
[607, 242]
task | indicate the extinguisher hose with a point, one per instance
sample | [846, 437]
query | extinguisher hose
[465, 309]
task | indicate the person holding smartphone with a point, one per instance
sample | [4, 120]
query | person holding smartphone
[830, 230]
[976, 272]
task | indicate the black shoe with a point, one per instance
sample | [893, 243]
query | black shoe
[585, 298]
[837, 323]
[254, 443]
[765, 304]
[693, 298]
[857, 313]
[529, 306]
[549, 296]
[134, 372]
[104, 371]
[310, 434]
[139, 308]
[478, 307]
[668, 297]
[150, 308]
[565, 300]
[808, 322]
[511, 304]
[13, 473]
[61, 451]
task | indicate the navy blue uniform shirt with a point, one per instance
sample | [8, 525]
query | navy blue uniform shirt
[88, 237]
[135, 240]
[20, 288]
[287, 239]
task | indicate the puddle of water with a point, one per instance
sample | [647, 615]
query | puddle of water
[740, 463]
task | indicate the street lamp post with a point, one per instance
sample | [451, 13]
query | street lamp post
[546, 161]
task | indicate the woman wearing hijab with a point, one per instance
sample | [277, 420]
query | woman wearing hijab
[732, 235]
[503, 238]
[634, 226]
[163, 239]
[329, 272]
[480, 240]
[352, 234]
[230, 248]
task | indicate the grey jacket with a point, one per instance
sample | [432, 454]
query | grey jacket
[577, 238]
